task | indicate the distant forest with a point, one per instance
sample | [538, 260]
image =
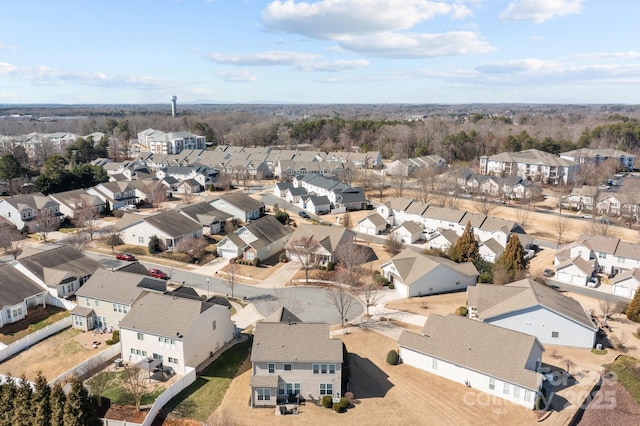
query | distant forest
[459, 133]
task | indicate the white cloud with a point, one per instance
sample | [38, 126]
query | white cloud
[7, 47]
[269, 58]
[540, 10]
[403, 45]
[375, 27]
[238, 76]
[334, 66]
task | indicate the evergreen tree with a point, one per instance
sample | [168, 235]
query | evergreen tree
[57, 403]
[78, 409]
[7, 397]
[511, 265]
[466, 248]
[40, 402]
[22, 411]
[633, 310]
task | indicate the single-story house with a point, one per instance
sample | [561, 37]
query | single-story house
[533, 308]
[415, 274]
[373, 224]
[500, 362]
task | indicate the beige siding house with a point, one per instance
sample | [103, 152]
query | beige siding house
[294, 360]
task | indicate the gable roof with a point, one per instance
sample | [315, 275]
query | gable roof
[412, 265]
[164, 314]
[296, 342]
[495, 351]
[494, 301]
[119, 286]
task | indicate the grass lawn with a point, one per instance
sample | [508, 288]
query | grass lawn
[34, 321]
[628, 369]
[203, 396]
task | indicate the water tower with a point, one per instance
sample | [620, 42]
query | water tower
[173, 106]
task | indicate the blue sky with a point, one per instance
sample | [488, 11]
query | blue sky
[320, 51]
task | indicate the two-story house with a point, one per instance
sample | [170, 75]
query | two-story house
[174, 330]
[294, 360]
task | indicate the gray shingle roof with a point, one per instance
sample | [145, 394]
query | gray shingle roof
[299, 342]
[488, 349]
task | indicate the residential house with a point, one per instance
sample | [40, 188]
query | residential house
[174, 331]
[18, 295]
[626, 284]
[294, 359]
[240, 205]
[61, 270]
[77, 199]
[416, 274]
[316, 204]
[529, 307]
[170, 227]
[213, 221]
[409, 232]
[115, 194]
[328, 239]
[22, 210]
[533, 164]
[491, 359]
[105, 299]
[373, 224]
[598, 155]
[259, 239]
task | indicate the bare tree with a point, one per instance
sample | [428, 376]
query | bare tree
[561, 226]
[304, 249]
[44, 224]
[156, 193]
[340, 298]
[87, 218]
[133, 379]
[12, 241]
[607, 307]
[352, 257]
[232, 276]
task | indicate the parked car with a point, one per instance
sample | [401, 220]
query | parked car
[303, 214]
[593, 282]
[157, 273]
[125, 256]
[548, 272]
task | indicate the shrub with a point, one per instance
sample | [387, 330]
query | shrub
[392, 357]
[283, 257]
[255, 261]
[462, 311]
[341, 407]
[327, 401]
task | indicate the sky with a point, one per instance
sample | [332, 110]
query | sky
[320, 51]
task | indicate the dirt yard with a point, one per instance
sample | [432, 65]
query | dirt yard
[387, 395]
[55, 355]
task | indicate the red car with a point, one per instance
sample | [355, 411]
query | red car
[125, 256]
[157, 273]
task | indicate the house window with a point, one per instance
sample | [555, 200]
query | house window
[555, 334]
[505, 389]
[527, 395]
[492, 383]
[326, 388]
[271, 367]
[140, 336]
[516, 392]
[434, 364]
[264, 394]
[286, 367]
